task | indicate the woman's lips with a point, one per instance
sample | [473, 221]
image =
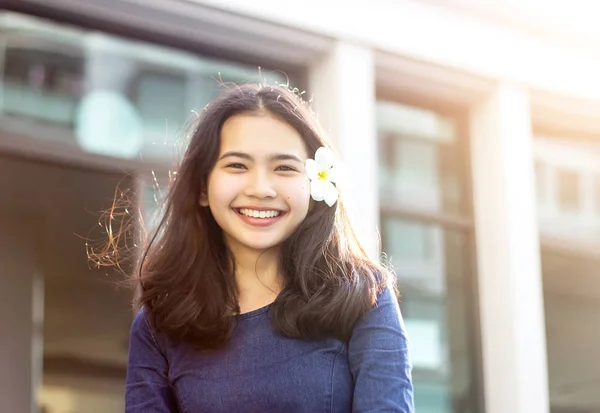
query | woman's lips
[258, 222]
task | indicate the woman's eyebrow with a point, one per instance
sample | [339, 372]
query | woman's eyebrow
[273, 157]
[233, 154]
[284, 157]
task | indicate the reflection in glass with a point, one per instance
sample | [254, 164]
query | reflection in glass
[432, 266]
[567, 172]
[572, 310]
[50, 70]
[420, 159]
[569, 225]
[42, 84]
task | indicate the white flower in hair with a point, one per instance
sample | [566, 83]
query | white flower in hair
[322, 174]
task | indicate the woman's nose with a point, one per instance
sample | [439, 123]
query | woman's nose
[260, 185]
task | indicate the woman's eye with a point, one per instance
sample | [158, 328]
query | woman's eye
[236, 166]
[285, 168]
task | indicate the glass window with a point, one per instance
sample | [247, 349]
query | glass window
[569, 224]
[421, 169]
[160, 97]
[106, 94]
[432, 266]
[82, 318]
[44, 84]
[572, 309]
[421, 159]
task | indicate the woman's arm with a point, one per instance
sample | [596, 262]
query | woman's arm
[147, 388]
[378, 356]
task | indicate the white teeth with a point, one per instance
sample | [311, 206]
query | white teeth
[259, 214]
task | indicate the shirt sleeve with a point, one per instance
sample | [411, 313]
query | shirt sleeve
[379, 360]
[147, 386]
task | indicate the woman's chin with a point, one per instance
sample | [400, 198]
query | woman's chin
[255, 243]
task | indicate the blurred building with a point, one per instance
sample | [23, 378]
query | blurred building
[469, 134]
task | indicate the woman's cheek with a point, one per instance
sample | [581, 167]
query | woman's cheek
[227, 185]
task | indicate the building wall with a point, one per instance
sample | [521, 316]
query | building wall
[445, 36]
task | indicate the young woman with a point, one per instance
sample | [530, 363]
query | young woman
[256, 295]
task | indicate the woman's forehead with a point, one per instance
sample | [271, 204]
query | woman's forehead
[261, 135]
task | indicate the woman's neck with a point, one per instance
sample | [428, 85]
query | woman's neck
[257, 276]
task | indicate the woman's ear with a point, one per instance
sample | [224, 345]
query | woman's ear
[203, 199]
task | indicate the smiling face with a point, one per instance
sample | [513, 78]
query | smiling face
[258, 191]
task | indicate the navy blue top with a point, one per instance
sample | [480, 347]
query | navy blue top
[261, 371]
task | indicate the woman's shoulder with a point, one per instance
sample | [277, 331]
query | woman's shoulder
[140, 321]
[387, 294]
[142, 331]
[386, 308]
[140, 326]
[383, 323]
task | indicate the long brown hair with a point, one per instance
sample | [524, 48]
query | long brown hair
[186, 273]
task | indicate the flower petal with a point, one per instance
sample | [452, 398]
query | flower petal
[331, 194]
[325, 158]
[312, 170]
[332, 174]
[318, 189]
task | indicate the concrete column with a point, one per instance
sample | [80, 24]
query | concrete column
[20, 315]
[342, 85]
[508, 254]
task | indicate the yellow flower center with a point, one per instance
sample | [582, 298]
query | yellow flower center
[322, 175]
